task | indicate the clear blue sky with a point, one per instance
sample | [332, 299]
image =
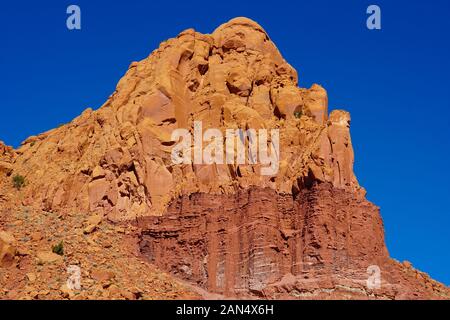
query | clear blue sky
[395, 82]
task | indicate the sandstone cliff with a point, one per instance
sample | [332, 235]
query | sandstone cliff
[116, 160]
[306, 231]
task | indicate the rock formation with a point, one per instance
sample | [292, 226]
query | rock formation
[303, 232]
[251, 239]
[116, 160]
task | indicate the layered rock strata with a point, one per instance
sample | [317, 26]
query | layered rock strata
[306, 231]
[245, 241]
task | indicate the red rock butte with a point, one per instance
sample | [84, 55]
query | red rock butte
[306, 232]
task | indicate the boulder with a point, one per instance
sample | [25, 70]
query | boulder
[8, 249]
[47, 257]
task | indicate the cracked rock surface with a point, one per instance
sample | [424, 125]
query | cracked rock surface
[140, 226]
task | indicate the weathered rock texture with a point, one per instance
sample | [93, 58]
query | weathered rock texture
[318, 244]
[251, 239]
[226, 228]
[117, 160]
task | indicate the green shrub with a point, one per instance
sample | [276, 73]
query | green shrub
[298, 114]
[59, 249]
[18, 181]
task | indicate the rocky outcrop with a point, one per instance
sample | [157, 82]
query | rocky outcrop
[8, 249]
[323, 243]
[116, 161]
[7, 156]
[249, 240]
[6, 159]
[304, 231]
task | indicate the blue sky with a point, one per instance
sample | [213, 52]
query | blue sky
[395, 82]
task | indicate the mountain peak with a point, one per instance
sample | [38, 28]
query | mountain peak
[238, 180]
[234, 78]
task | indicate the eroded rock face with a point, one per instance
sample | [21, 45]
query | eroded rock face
[116, 161]
[249, 240]
[323, 243]
[6, 158]
[8, 249]
[306, 231]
